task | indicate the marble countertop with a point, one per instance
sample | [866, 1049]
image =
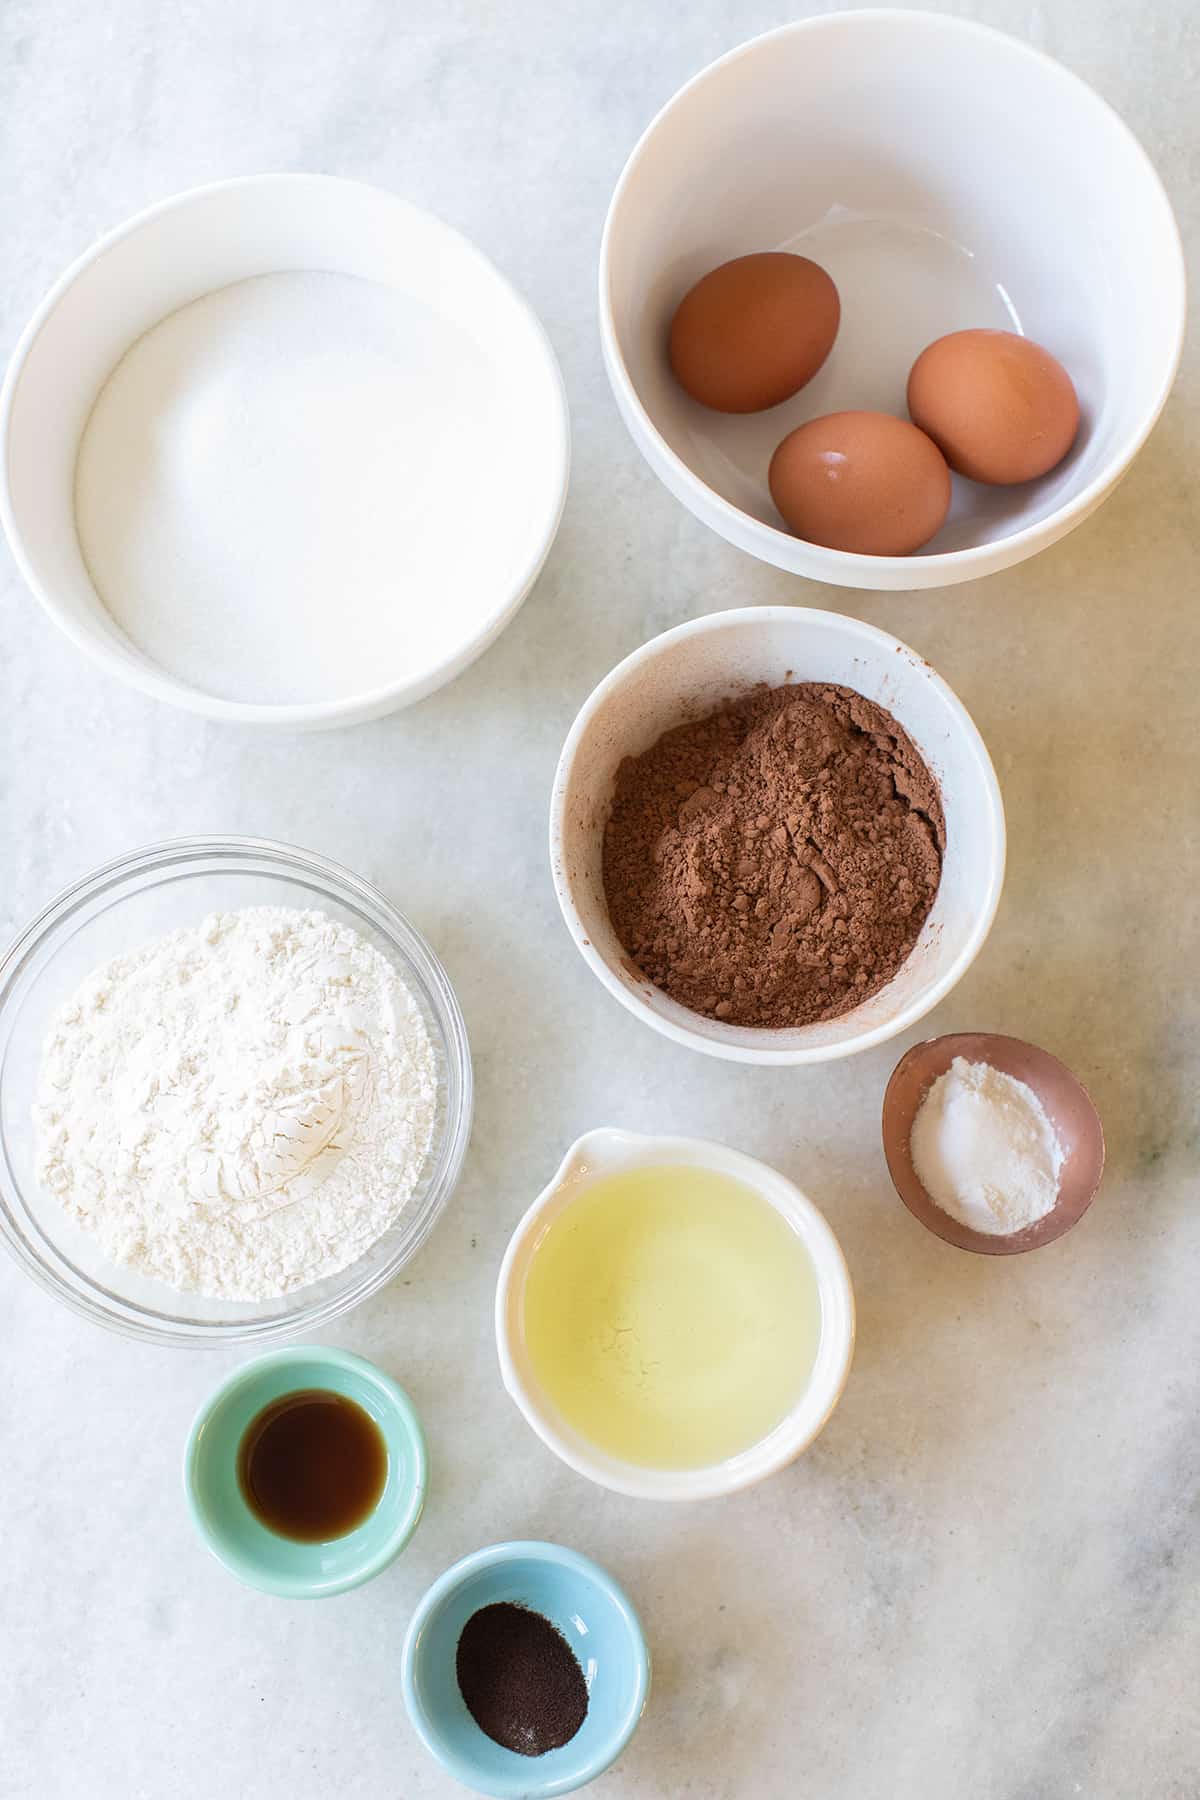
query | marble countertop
[984, 1579]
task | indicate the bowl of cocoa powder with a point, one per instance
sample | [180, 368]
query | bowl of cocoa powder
[776, 835]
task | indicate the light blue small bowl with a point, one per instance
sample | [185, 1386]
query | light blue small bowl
[597, 1621]
[261, 1558]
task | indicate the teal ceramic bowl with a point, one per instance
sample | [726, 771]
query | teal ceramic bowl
[597, 1621]
[241, 1541]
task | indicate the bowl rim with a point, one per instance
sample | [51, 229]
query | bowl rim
[525, 1782]
[159, 684]
[584, 1164]
[881, 644]
[853, 569]
[417, 957]
[403, 1422]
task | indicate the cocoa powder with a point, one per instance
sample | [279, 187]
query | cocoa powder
[773, 863]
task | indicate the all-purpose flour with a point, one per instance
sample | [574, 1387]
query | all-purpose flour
[240, 1108]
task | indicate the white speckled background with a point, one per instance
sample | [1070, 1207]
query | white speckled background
[983, 1581]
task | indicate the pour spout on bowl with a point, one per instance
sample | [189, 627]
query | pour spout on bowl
[599, 1152]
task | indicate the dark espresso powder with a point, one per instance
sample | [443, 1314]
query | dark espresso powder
[520, 1679]
[773, 863]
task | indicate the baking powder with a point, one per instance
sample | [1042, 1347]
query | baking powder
[985, 1150]
[239, 1108]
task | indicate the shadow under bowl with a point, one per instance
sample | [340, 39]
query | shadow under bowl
[238, 1538]
[1067, 1103]
[593, 1615]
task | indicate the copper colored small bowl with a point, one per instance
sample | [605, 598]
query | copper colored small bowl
[1065, 1099]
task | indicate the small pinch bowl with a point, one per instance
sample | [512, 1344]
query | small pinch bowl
[954, 171]
[597, 1620]
[1066, 1100]
[694, 669]
[259, 1557]
[595, 1156]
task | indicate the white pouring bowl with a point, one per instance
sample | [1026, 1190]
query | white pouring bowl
[210, 237]
[946, 175]
[692, 670]
[602, 1153]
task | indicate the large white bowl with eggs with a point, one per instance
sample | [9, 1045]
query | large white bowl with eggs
[947, 177]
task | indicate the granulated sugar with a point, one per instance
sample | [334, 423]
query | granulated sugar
[256, 507]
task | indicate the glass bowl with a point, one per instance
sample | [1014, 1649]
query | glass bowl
[145, 895]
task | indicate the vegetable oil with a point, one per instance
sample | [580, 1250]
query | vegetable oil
[671, 1315]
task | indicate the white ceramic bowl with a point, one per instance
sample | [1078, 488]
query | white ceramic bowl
[946, 176]
[696, 667]
[602, 1153]
[451, 296]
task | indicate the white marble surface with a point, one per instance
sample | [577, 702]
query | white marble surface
[983, 1580]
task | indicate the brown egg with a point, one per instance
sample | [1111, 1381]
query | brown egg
[1000, 408]
[861, 481]
[752, 332]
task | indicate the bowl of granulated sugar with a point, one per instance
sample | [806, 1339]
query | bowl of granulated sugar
[283, 450]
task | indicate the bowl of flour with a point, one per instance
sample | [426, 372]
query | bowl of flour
[283, 450]
[235, 1092]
